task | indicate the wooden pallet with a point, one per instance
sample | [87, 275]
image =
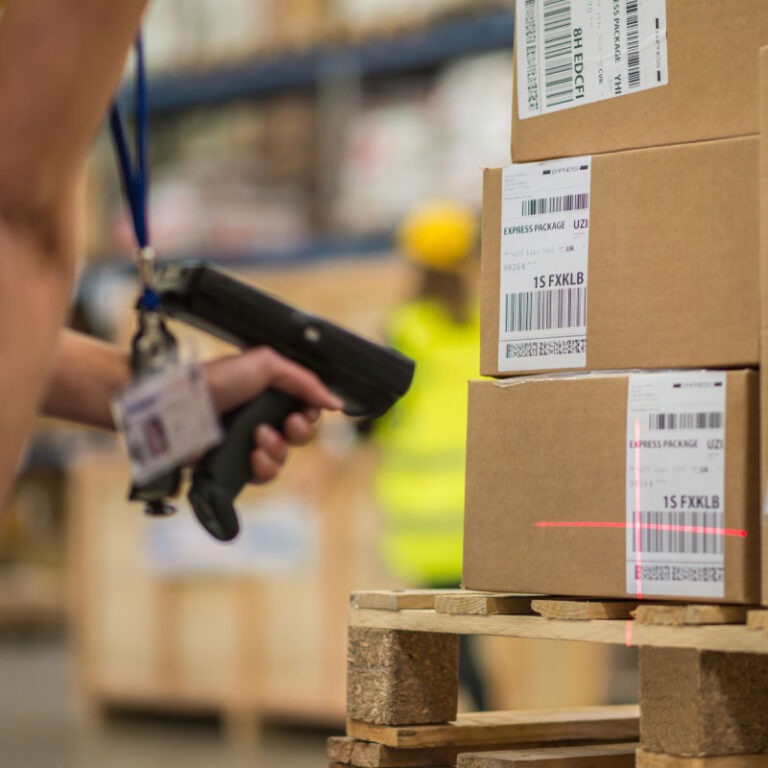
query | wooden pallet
[704, 681]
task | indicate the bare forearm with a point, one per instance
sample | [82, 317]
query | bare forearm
[86, 374]
[60, 62]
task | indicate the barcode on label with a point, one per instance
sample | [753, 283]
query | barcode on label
[545, 348]
[685, 420]
[531, 55]
[633, 45]
[694, 533]
[558, 52]
[545, 310]
[542, 205]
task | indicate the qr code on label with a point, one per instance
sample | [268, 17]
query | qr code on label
[550, 348]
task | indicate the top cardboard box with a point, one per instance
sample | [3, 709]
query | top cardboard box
[712, 88]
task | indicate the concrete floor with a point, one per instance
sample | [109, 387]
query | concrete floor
[41, 727]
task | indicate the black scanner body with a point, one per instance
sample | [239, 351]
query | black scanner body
[367, 376]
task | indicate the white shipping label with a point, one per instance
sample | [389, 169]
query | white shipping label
[573, 52]
[675, 483]
[544, 254]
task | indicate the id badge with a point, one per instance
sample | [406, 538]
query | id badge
[166, 420]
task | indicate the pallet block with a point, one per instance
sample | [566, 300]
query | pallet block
[402, 678]
[645, 759]
[703, 703]
[598, 756]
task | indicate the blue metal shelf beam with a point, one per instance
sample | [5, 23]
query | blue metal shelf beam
[266, 76]
[327, 247]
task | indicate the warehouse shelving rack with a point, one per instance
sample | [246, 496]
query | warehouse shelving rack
[317, 68]
[267, 75]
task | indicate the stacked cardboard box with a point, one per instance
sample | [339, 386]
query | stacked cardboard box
[763, 280]
[616, 454]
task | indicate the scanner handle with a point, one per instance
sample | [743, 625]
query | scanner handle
[222, 472]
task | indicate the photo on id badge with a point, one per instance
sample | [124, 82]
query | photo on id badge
[155, 436]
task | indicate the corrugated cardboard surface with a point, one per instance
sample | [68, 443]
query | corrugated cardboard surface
[764, 301]
[673, 258]
[712, 92]
[554, 449]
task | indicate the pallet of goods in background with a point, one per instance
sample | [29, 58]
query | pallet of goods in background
[613, 460]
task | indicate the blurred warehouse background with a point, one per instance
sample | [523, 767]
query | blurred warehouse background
[288, 140]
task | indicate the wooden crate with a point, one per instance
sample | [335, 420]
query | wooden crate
[263, 639]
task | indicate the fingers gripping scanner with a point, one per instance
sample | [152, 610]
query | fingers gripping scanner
[368, 377]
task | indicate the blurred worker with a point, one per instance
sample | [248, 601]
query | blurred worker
[419, 483]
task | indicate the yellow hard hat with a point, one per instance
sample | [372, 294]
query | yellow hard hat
[439, 234]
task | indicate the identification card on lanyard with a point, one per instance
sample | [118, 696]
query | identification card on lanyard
[167, 419]
[165, 414]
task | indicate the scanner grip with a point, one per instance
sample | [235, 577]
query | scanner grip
[222, 472]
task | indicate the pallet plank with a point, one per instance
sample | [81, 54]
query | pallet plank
[757, 619]
[584, 609]
[399, 599]
[734, 638]
[349, 751]
[598, 756]
[517, 727]
[480, 604]
[367, 754]
[690, 615]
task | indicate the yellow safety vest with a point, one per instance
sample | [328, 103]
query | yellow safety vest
[419, 483]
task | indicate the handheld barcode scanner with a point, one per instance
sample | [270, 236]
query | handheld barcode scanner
[369, 377]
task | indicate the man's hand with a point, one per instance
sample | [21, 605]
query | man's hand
[236, 379]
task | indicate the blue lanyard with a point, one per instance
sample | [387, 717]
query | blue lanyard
[135, 178]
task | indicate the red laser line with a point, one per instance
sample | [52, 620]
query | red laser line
[735, 532]
[628, 633]
[638, 518]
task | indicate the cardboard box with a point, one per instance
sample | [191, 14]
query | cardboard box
[764, 306]
[712, 89]
[672, 261]
[548, 483]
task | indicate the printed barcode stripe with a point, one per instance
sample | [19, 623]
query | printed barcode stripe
[685, 420]
[538, 206]
[633, 44]
[695, 533]
[558, 52]
[531, 54]
[545, 310]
